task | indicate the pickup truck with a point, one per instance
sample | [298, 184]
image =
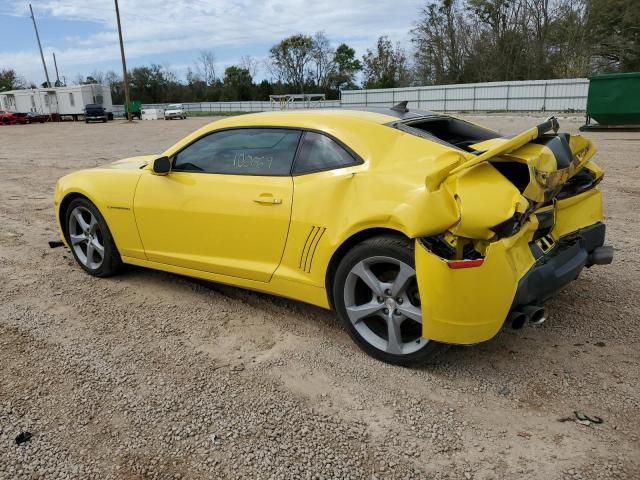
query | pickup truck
[95, 113]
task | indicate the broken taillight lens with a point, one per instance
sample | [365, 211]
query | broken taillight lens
[456, 264]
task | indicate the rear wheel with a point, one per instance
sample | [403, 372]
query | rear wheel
[375, 292]
[90, 239]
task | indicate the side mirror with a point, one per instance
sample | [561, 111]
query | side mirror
[161, 166]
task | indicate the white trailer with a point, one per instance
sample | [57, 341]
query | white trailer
[62, 101]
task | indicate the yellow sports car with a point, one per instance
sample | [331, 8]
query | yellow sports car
[419, 229]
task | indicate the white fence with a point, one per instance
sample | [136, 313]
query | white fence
[221, 107]
[566, 95]
[527, 96]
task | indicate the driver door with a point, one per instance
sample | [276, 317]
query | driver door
[225, 207]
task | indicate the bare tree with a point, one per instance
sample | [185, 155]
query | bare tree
[324, 64]
[250, 64]
[206, 66]
[385, 66]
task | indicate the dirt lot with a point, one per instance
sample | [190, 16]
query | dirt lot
[150, 375]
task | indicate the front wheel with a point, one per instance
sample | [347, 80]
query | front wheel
[90, 239]
[375, 292]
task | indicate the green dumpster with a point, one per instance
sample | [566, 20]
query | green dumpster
[614, 101]
[135, 109]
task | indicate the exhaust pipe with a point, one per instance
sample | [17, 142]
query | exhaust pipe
[517, 319]
[535, 314]
[601, 256]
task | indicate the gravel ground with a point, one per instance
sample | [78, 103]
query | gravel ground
[151, 375]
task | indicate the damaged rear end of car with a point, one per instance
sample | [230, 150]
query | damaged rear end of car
[525, 218]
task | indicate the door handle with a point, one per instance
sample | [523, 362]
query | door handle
[268, 199]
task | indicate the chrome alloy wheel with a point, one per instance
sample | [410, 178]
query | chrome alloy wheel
[383, 305]
[85, 237]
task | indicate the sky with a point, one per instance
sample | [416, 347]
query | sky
[84, 36]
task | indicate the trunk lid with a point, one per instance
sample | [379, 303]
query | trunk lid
[501, 183]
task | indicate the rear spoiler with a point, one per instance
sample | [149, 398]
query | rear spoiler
[459, 162]
[515, 143]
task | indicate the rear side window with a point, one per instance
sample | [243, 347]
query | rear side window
[319, 152]
[243, 151]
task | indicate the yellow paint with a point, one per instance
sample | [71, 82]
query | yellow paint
[469, 305]
[213, 223]
[209, 226]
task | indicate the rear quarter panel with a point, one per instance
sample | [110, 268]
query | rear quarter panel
[386, 191]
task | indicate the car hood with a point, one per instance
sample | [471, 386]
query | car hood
[131, 163]
[173, 111]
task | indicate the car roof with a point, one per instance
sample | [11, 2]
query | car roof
[400, 112]
[343, 123]
[378, 115]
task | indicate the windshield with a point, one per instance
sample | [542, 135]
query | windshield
[174, 106]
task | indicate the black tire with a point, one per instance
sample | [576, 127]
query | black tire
[398, 248]
[111, 262]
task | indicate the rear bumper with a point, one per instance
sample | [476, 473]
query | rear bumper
[559, 267]
[469, 306]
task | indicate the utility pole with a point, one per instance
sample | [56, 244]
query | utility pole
[46, 74]
[124, 66]
[56, 65]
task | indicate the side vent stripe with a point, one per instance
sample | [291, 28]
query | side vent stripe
[313, 239]
[304, 249]
[309, 248]
[314, 250]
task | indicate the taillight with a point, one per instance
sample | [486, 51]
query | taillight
[456, 264]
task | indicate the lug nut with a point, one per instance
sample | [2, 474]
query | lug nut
[380, 299]
[387, 292]
[386, 311]
[396, 312]
[399, 300]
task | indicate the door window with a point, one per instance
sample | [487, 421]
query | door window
[243, 151]
[319, 152]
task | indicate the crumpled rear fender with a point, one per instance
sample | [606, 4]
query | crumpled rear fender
[469, 305]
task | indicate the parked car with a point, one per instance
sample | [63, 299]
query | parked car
[175, 110]
[95, 113]
[419, 229]
[12, 118]
[33, 117]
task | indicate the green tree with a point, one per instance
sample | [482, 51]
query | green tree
[290, 59]
[237, 84]
[347, 67]
[440, 40]
[385, 66]
[263, 90]
[9, 80]
[614, 27]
